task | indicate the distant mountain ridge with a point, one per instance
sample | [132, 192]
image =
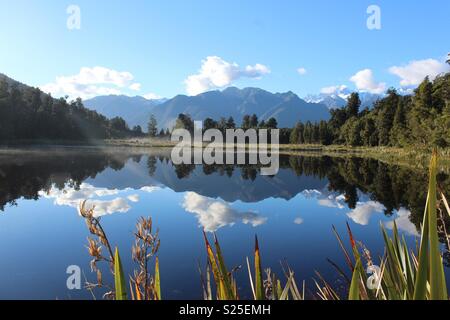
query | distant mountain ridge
[287, 107]
[339, 100]
[134, 110]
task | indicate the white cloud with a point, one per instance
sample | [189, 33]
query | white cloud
[218, 73]
[332, 202]
[133, 198]
[72, 198]
[135, 86]
[150, 189]
[334, 89]
[214, 214]
[414, 72]
[403, 223]
[103, 207]
[152, 96]
[325, 199]
[298, 220]
[302, 71]
[364, 210]
[364, 81]
[91, 82]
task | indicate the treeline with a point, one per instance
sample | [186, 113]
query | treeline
[422, 118]
[29, 114]
[248, 122]
[395, 120]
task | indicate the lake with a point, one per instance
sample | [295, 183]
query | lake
[292, 213]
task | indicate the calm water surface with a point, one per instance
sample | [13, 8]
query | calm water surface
[41, 232]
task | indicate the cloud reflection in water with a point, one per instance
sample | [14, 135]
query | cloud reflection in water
[214, 214]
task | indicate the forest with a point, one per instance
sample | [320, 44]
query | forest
[29, 114]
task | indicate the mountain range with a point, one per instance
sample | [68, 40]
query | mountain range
[287, 107]
[339, 100]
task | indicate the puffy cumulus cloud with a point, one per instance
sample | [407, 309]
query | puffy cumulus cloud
[72, 198]
[403, 223]
[302, 71]
[364, 210]
[415, 71]
[104, 207]
[298, 220]
[215, 214]
[364, 81]
[218, 73]
[90, 82]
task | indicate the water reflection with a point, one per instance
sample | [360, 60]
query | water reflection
[214, 214]
[292, 212]
[365, 186]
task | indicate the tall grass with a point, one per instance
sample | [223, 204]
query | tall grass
[403, 273]
[406, 275]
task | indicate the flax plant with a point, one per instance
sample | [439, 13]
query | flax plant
[269, 288]
[146, 286]
[96, 242]
[405, 274]
[143, 285]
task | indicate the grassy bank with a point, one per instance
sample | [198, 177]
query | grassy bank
[410, 156]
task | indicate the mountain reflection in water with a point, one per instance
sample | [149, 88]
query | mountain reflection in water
[292, 212]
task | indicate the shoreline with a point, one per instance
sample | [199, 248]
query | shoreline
[409, 156]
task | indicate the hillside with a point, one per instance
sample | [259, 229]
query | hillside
[26, 113]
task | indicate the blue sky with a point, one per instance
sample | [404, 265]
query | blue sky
[155, 46]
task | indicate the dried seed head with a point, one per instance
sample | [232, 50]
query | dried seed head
[99, 277]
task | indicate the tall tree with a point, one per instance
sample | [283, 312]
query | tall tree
[254, 121]
[246, 122]
[230, 123]
[209, 124]
[272, 123]
[386, 109]
[152, 126]
[184, 121]
[353, 104]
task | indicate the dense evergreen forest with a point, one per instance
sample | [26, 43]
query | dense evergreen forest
[422, 118]
[29, 114]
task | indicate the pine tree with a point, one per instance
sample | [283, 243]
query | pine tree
[246, 122]
[209, 124]
[420, 119]
[152, 126]
[353, 104]
[386, 109]
[230, 123]
[254, 121]
[398, 131]
[324, 134]
[272, 123]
